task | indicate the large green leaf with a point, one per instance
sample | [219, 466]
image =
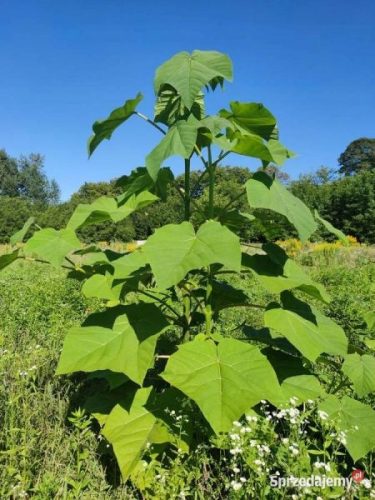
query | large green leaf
[252, 117]
[361, 371]
[8, 258]
[225, 380]
[179, 140]
[277, 272]
[19, 235]
[107, 208]
[126, 265]
[101, 286]
[304, 387]
[52, 245]
[129, 432]
[188, 73]
[295, 379]
[139, 180]
[306, 328]
[279, 152]
[128, 347]
[175, 249]
[264, 192]
[104, 129]
[248, 145]
[356, 419]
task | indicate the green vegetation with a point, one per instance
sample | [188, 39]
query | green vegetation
[49, 453]
[198, 358]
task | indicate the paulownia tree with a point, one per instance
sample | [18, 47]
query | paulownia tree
[156, 342]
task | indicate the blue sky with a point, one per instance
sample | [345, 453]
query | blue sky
[65, 64]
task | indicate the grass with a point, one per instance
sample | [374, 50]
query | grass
[48, 448]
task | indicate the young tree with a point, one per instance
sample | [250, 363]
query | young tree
[159, 342]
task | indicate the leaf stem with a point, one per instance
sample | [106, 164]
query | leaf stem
[211, 186]
[160, 301]
[233, 200]
[187, 189]
[151, 122]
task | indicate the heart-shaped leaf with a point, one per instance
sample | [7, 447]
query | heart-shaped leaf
[127, 347]
[225, 380]
[175, 249]
[189, 73]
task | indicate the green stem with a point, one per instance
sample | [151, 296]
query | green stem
[208, 308]
[231, 202]
[187, 189]
[162, 302]
[211, 172]
[151, 122]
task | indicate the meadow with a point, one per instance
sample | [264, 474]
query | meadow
[50, 446]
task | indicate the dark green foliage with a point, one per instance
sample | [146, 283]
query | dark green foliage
[13, 214]
[347, 202]
[25, 178]
[358, 156]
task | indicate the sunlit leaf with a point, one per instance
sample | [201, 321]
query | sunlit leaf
[265, 192]
[306, 328]
[277, 272]
[128, 347]
[356, 419]
[129, 432]
[19, 235]
[252, 117]
[52, 245]
[106, 208]
[179, 140]
[361, 371]
[175, 249]
[189, 73]
[225, 380]
[104, 129]
[331, 229]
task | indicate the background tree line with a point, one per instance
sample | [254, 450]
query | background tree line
[345, 197]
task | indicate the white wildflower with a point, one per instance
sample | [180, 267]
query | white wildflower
[323, 415]
[294, 449]
[236, 485]
[366, 483]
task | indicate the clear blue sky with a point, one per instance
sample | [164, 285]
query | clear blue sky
[66, 63]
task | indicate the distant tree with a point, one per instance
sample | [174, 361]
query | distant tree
[90, 191]
[25, 178]
[358, 156]
[9, 176]
[352, 205]
[13, 214]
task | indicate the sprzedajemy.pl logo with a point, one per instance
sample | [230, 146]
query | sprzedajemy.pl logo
[321, 481]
